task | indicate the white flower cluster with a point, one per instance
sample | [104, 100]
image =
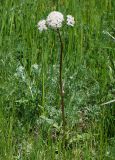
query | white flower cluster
[42, 25]
[70, 20]
[55, 20]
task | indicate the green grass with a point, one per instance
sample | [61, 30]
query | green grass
[30, 118]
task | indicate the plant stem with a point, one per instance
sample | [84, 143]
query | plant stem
[61, 85]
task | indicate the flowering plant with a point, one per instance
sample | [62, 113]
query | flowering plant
[55, 21]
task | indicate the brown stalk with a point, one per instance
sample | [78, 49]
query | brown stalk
[61, 84]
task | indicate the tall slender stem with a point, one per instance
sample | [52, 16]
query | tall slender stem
[61, 83]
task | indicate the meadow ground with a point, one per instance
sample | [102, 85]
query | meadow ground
[30, 115]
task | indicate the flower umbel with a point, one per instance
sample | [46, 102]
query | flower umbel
[70, 20]
[55, 19]
[42, 25]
